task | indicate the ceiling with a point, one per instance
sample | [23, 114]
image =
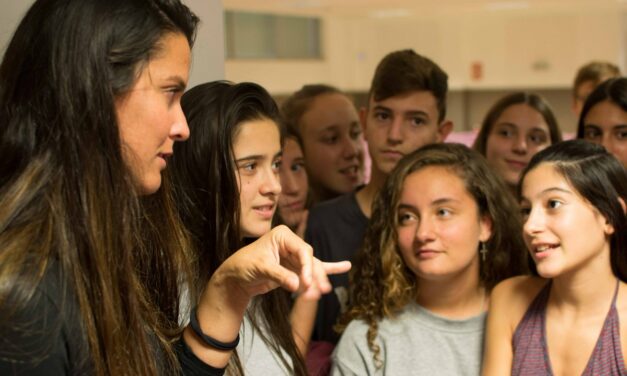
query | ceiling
[400, 8]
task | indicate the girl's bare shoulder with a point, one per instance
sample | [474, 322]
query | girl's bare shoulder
[514, 295]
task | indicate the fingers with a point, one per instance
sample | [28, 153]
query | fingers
[321, 281]
[296, 252]
[336, 267]
[282, 277]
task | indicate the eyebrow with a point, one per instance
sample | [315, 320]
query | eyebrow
[439, 201]
[617, 126]
[549, 190]
[178, 81]
[411, 112]
[330, 128]
[256, 157]
[444, 200]
[556, 189]
[508, 124]
[591, 126]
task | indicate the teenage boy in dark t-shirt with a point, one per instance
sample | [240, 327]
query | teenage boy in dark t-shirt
[406, 109]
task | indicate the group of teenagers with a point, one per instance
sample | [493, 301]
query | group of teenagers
[150, 230]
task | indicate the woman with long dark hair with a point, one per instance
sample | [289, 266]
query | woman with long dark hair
[92, 253]
[237, 142]
[603, 118]
[568, 317]
[515, 128]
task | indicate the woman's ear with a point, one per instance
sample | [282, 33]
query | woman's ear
[485, 223]
[609, 228]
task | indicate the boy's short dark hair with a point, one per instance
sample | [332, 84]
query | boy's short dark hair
[405, 71]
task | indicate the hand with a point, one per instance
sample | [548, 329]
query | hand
[279, 258]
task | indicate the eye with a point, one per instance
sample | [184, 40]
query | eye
[172, 93]
[525, 211]
[505, 132]
[418, 121]
[297, 167]
[381, 115]
[538, 138]
[248, 167]
[330, 140]
[553, 204]
[355, 133]
[443, 212]
[405, 218]
[621, 133]
[276, 165]
[591, 133]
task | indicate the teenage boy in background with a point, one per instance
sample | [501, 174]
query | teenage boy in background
[406, 110]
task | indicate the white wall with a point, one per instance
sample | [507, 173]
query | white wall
[519, 49]
[11, 12]
[522, 48]
[208, 53]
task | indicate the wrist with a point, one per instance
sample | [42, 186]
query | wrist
[224, 286]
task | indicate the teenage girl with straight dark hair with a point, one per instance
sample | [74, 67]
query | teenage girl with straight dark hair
[237, 142]
[568, 317]
[603, 117]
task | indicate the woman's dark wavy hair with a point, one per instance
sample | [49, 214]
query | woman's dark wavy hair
[613, 90]
[68, 200]
[205, 179]
[530, 99]
[380, 282]
[598, 177]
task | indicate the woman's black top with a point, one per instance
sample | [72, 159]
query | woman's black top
[46, 337]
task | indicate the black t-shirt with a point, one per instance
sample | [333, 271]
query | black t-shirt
[46, 337]
[335, 230]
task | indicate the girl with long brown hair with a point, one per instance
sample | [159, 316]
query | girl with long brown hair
[568, 317]
[238, 143]
[443, 232]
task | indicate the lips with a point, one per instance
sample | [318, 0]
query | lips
[296, 205]
[543, 250]
[265, 211]
[164, 157]
[519, 165]
[351, 172]
[426, 254]
[392, 154]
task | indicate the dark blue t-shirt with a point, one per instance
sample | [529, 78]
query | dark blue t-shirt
[335, 230]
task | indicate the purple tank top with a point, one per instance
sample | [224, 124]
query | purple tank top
[530, 349]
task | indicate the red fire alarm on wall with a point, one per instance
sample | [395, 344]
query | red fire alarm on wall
[476, 70]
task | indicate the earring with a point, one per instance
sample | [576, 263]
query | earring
[483, 251]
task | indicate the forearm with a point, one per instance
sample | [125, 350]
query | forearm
[220, 313]
[302, 319]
